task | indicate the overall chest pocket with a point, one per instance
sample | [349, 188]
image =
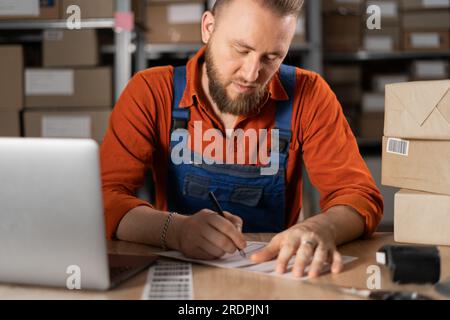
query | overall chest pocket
[196, 186]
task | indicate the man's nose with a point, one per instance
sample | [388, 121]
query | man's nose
[251, 69]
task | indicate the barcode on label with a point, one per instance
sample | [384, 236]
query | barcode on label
[398, 146]
[169, 280]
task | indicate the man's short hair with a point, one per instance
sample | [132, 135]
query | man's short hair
[281, 7]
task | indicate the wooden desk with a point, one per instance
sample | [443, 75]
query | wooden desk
[221, 284]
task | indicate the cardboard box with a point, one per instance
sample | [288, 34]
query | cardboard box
[371, 125]
[90, 9]
[421, 165]
[390, 11]
[430, 69]
[418, 110]
[339, 74]
[343, 6]
[426, 20]
[68, 87]
[70, 48]
[29, 9]
[9, 124]
[386, 39]
[422, 218]
[174, 22]
[424, 4]
[11, 78]
[427, 41]
[342, 33]
[89, 123]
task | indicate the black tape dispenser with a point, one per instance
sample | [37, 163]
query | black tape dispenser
[411, 264]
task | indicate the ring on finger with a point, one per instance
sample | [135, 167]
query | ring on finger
[310, 243]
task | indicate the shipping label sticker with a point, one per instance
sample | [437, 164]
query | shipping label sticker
[398, 146]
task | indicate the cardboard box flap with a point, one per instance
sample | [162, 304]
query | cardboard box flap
[444, 106]
[421, 98]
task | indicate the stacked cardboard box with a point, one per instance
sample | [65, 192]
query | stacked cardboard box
[416, 156]
[11, 90]
[71, 96]
[426, 25]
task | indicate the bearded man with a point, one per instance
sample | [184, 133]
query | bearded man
[237, 82]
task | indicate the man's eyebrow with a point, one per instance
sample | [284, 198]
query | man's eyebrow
[246, 46]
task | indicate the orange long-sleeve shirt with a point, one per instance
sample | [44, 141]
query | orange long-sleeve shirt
[138, 140]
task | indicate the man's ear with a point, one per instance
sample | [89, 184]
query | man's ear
[208, 24]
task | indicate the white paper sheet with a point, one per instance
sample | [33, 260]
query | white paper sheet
[235, 261]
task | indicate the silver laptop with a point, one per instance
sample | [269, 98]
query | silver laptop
[52, 229]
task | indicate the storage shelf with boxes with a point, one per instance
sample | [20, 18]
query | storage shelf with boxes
[68, 89]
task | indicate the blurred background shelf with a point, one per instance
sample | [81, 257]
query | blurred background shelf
[55, 24]
[374, 56]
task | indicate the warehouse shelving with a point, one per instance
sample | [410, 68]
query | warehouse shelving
[122, 48]
[375, 56]
[310, 52]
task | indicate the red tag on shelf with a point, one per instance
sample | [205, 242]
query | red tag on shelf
[124, 21]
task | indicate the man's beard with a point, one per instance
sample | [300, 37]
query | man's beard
[243, 104]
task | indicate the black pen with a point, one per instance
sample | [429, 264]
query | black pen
[220, 211]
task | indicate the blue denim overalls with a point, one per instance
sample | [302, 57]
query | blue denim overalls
[241, 189]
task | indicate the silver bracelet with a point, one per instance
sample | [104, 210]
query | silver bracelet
[164, 230]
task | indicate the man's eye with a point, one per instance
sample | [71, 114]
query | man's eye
[270, 58]
[243, 52]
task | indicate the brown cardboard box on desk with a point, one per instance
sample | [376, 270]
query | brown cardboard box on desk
[418, 110]
[416, 147]
[422, 218]
[422, 165]
[416, 156]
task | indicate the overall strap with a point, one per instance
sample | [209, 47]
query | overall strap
[180, 117]
[283, 120]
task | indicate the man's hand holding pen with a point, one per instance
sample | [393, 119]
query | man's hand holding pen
[207, 235]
